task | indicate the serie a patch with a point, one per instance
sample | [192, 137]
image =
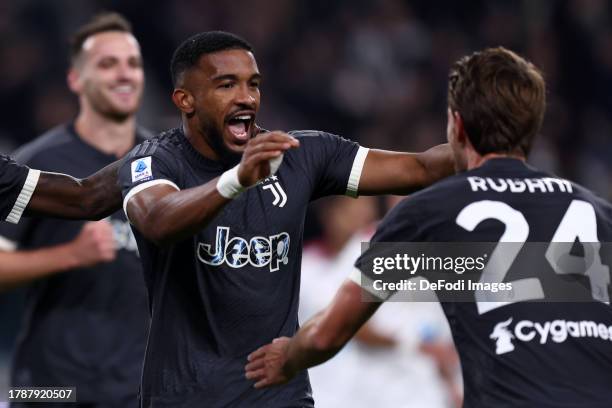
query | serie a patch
[141, 169]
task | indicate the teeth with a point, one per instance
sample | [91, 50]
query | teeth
[243, 117]
[124, 88]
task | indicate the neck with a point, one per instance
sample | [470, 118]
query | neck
[475, 160]
[106, 135]
[209, 146]
[200, 142]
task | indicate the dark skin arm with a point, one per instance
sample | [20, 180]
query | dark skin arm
[165, 215]
[63, 196]
[99, 195]
[316, 342]
[387, 172]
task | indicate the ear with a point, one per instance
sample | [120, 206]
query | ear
[73, 78]
[184, 100]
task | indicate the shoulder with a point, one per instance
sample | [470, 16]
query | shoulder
[439, 194]
[143, 134]
[600, 204]
[164, 144]
[318, 145]
[55, 139]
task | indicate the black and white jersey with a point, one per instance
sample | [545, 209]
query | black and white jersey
[17, 184]
[85, 327]
[519, 354]
[234, 286]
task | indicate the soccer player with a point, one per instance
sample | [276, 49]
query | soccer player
[223, 268]
[513, 353]
[86, 314]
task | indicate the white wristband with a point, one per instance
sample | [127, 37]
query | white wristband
[275, 164]
[228, 185]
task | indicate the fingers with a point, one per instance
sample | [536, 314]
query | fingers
[263, 383]
[260, 352]
[266, 146]
[276, 136]
[264, 156]
[255, 365]
[256, 374]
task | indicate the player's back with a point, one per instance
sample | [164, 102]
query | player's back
[547, 353]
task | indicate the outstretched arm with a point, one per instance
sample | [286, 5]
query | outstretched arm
[316, 342]
[63, 196]
[386, 172]
[165, 215]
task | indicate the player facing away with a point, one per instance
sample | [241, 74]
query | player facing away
[222, 266]
[516, 354]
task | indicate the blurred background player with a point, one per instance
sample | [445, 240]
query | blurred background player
[514, 352]
[406, 347]
[86, 317]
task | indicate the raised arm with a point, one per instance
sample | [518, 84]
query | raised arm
[164, 214]
[386, 172]
[63, 196]
[316, 342]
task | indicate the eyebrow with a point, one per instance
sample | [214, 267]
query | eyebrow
[233, 77]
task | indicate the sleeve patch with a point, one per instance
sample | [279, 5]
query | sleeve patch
[141, 169]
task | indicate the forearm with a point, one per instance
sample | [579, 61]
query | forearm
[328, 331]
[177, 215]
[62, 196]
[21, 267]
[387, 172]
[370, 337]
[310, 346]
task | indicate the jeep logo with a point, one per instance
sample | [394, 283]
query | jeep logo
[237, 252]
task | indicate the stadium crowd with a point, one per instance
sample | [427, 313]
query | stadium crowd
[371, 70]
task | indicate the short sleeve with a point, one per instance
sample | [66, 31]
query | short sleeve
[333, 164]
[399, 226]
[17, 184]
[148, 165]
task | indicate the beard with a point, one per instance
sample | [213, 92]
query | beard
[105, 107]
[227, 157]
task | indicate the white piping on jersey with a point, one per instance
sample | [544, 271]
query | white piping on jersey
[352, 189]
[24, 196]
[142, 187]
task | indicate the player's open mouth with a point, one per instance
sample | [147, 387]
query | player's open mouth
[240, 125]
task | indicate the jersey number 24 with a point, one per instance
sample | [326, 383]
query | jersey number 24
[579, 222]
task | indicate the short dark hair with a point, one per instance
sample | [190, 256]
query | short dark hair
[100, 23]
[189, 52]
[501, 98]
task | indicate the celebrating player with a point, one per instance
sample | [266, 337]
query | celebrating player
[512, 353]
[223, 280]
[95, 342]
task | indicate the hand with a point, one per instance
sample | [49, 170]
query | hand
[255, 163]
[94, 244]
[267, 364]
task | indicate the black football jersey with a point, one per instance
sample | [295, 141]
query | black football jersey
[17, 184]
[519, 353]
[85, 327]
[234, 286]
